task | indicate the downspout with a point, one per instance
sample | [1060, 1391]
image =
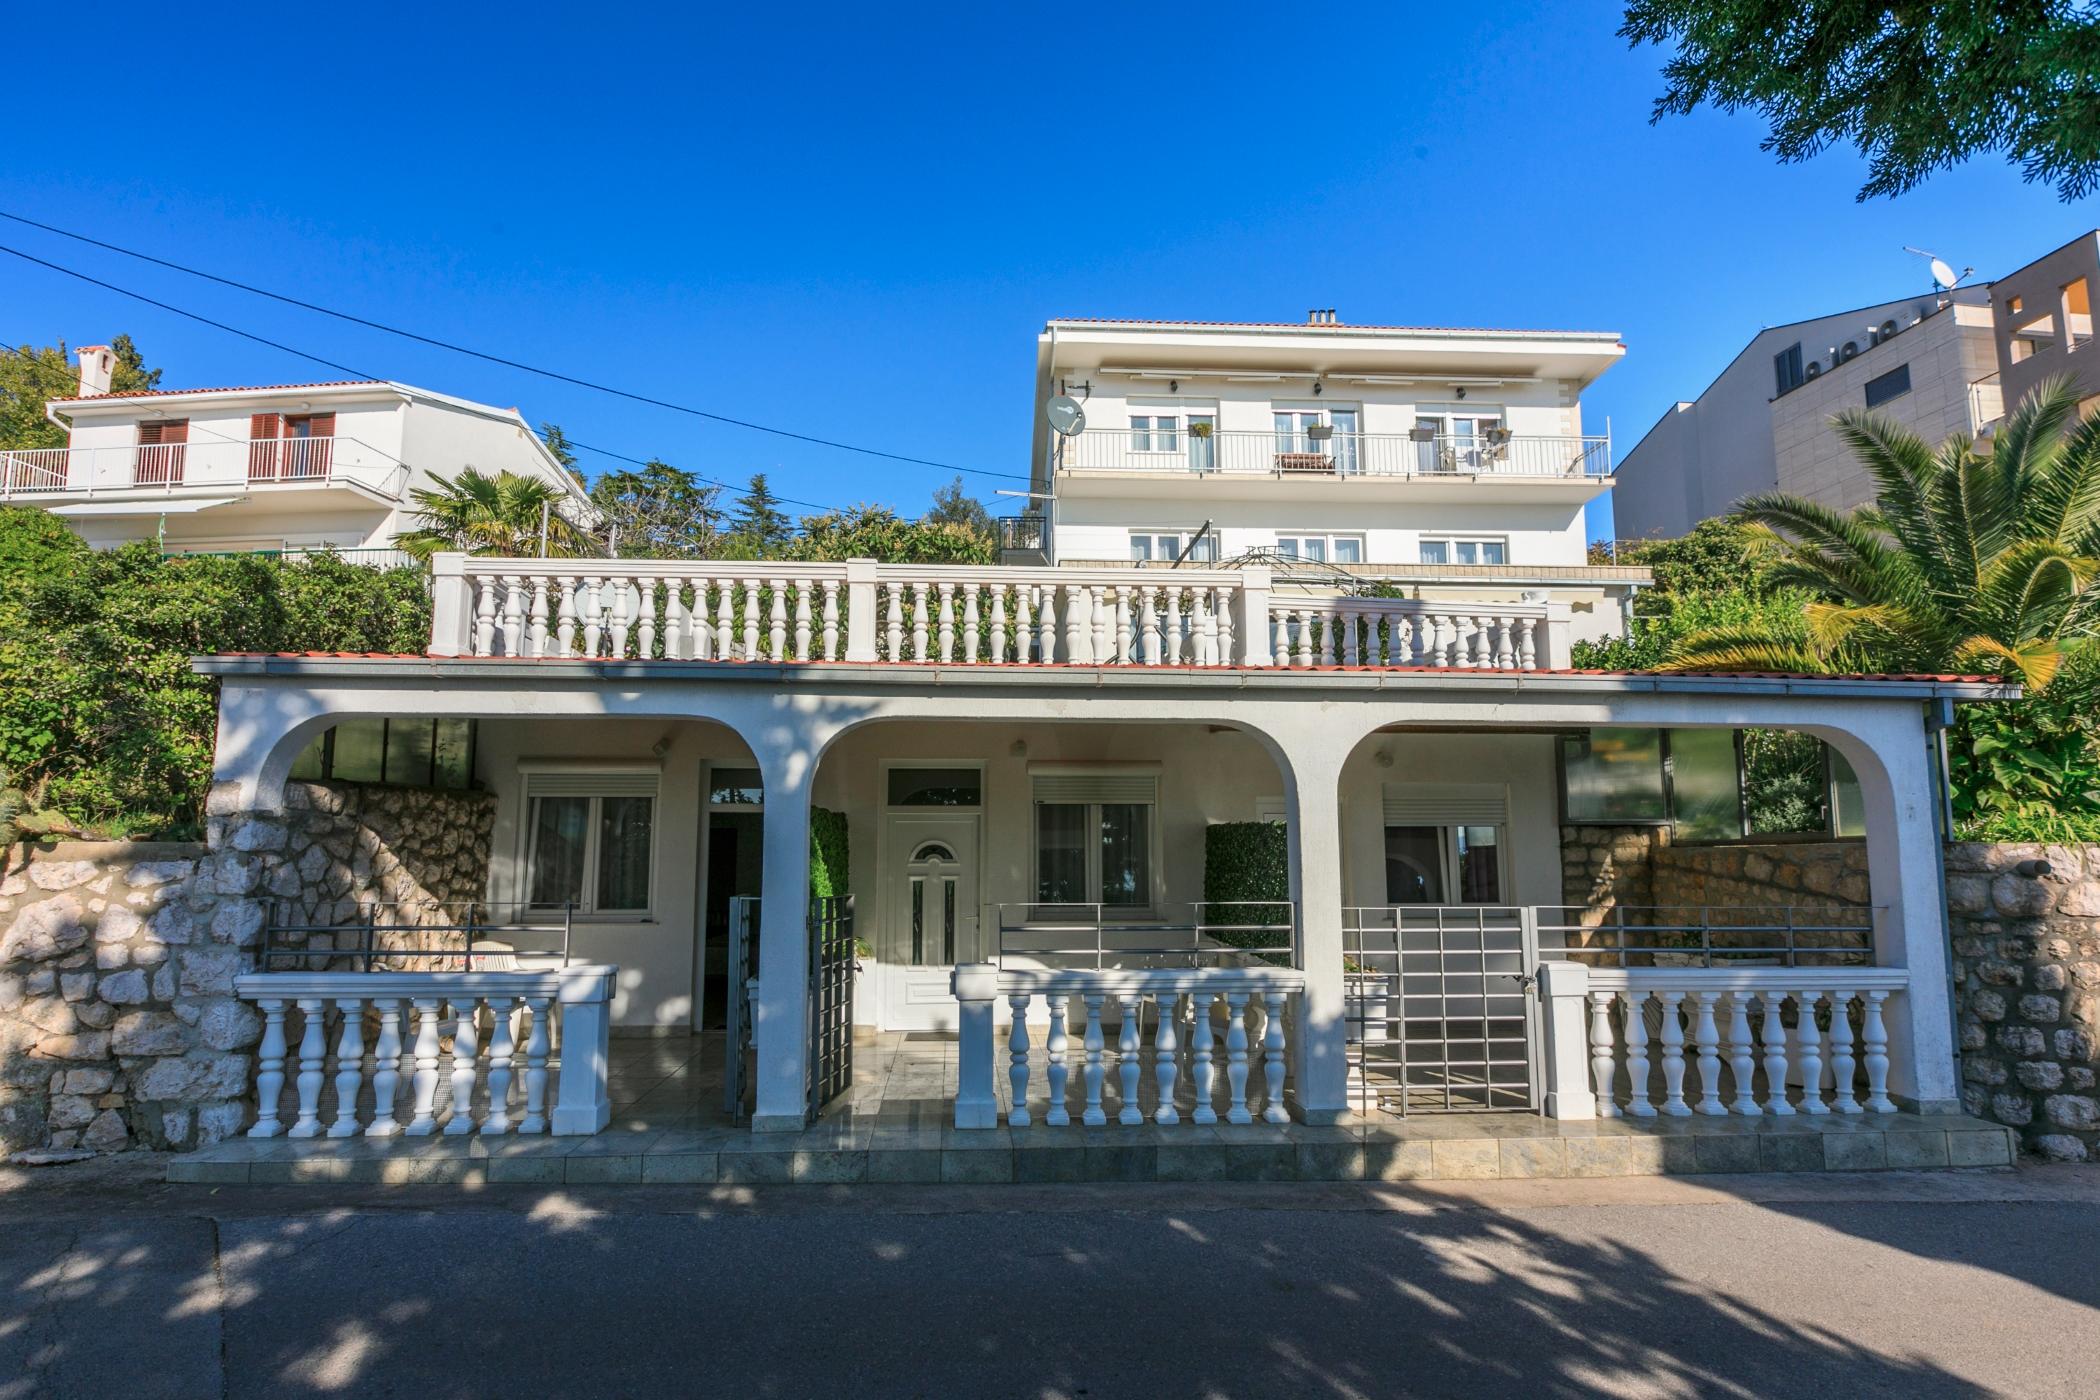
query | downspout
[1939, 718]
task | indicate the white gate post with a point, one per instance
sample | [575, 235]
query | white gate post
[583, 1102]
[1564, 990]
[976, 989]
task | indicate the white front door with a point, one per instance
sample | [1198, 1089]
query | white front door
[929, 918]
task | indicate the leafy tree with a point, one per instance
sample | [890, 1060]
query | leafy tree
[1915, 87]
[1717, 555]
[1964, 562]
[760, 527]
[500, 514]
[877, 532]
[101, 718]
[952, 505]
[560, 448]
[659, 512]
[31, 376]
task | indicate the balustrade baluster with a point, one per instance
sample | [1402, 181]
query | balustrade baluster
[995, 638]
[777, 622]
[565, 619]
[1876, 1035]
[1166, 1067]
[970, 623]
[502, 1052]
[1706, 1035]
[752, 589]
[1327, 653]
[1055, 1047]
[312, 1051]
[802, 620]
[1236, 1058]
[1093, 1117]
[1640, 1104]
[1742, 1054]
[269, 1075]
[1024, 623]
[1228, 643]
[1170, 632]
[623, 616]
[425, 1079]
[725, 621]
[349, 1066]
[1017, 1051]
[1527, 649]
[1352, 644]
[831, 619]
[485, 616]
[593, 617]
[921, 621]
[1602, 1062]
[1046, 624]
[536, 636]
[1302, 653]
[466, 1031]
[1202, 1072]
[537, 1045]
[1097, 626]
[1772, 1031]
[1673, 1104]
[1844, 1069]
[893, 622]
[1127, 1067]
[1505, 653]
[1808, 1045]
[1272, 1062]
[386, 1070]
[1280, 635]
[1075, 625]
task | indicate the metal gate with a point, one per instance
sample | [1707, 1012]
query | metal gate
[831, 965]
[739, 1045]
[1439, 1006]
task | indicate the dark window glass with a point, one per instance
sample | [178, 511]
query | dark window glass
[452, 756]
[1705, 785]
[1479, 865]
[1893, 385]
[737, 787]
[312, 763]
[1126, 853]
[624, 826]
[560, 826]
[935, 787]
[1414, 865]
[1614, 775]
[408, 752]
[360, 749]
[1786, 368]
[1060, 859]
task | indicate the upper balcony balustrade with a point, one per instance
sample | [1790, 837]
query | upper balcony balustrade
[215, 464]
[1495, 453]
[863, 612]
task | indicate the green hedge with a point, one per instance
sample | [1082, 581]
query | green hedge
[1245, 861]
[828, 875]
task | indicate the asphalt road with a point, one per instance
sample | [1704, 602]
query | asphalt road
[112, 1285]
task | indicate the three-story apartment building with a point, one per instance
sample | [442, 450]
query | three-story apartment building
[1445, 463]
[290, 467]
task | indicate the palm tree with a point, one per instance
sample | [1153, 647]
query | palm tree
[1965, 561]
[500, 514]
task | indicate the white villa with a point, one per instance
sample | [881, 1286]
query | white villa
[1034, 765]
[288, 467]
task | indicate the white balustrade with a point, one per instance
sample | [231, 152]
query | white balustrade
[1155, 1030]
[498, 1082]
[1360, 632]
[984, 616]
[1765, 1041]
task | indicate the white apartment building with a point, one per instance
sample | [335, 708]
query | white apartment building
[1446, 463]
[287, 467]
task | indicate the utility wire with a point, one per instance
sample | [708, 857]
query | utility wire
[484, 355]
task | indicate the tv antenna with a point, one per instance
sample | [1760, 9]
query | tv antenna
[1944, 277]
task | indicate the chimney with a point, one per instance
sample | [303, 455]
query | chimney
[97, 364]
[1320, 316]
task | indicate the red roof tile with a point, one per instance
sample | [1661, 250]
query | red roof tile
[1310, 326]
[230, 389]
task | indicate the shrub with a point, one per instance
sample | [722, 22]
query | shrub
[1245, 861]
[828, 876]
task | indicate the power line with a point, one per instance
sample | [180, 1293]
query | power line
[484, 355]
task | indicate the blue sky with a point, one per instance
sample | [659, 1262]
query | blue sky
[852, 221]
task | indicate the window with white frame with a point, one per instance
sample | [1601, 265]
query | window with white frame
[590, 840]
[1155, 432]
[1322, 548]
[1095, 835]
[1444, 843]
[1457, 550]
[1165, 546]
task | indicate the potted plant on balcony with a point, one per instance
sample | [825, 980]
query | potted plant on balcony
[1199, 430]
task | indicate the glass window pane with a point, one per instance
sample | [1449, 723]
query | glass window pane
[736, 787]
[1169, 434]
[1705, 786]
[1203, 547]
[624, 828]
[452, 760]
[312, 763]
[1060, 853]
[360, 746]
[1316, 549]
[1287, 546]
[1414, 865]
[935, 787]
[1141, 547]
[559, 825]
[1468, 552]
[948, 920]
[1492, 553]
[408, 752]
[1348, 551]
[1436, 552]
[1140, 433]
[1614, 775]
[1479, 865]
[918, 920]
[1847, 815]
[1126, 853]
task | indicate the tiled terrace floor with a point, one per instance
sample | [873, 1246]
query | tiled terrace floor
[669, 1126]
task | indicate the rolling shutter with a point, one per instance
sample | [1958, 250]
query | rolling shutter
[1446, 804]
[601, 783]
[1075, 784]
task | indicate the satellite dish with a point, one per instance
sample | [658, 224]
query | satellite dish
[1065, 415]
[1944, 274]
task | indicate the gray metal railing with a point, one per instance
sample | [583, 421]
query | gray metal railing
[454, 939]
[1708, 935]
[1217, 933]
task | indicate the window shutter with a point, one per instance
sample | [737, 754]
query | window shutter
[321, 425]
[584, 784]
[175, 430]
[263, 431]
[1096, 787]
[1446, 804]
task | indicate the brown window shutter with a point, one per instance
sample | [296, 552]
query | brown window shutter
[263, 429]
[175, 430]
[323, 424]
[149, 434]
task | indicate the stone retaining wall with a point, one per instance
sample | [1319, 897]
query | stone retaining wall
[2027, 980]
[1638, 865]
[118, 1023]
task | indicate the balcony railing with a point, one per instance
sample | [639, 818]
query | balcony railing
[1280, 455]
[865, 612]
[207, 465]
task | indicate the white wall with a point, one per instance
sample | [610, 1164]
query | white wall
[1524, 762]
[1099, 528]
[1548, 408]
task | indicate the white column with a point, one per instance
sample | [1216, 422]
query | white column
[1564, 988]
[1312, 774]
[862, 610]
[976, 988]
[451, 606]
[1250, 628]
[583, 1102]
[782, 1012]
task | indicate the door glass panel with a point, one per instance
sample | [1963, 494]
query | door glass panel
[918, 921]
[1479, 865]
[736, 787]
[1203, 451]
[1060, 860]
[1414, 865]
[934, 787]
[1126, 853]
[624, 830]
[1344, 447]
[560, 826]
[948, 920]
